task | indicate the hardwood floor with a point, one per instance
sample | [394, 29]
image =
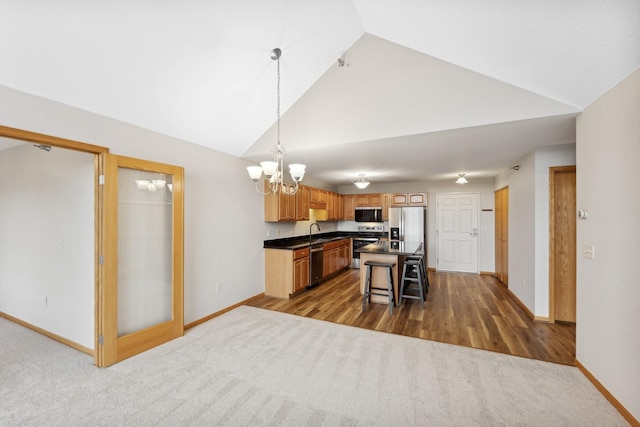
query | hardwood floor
[463, 309]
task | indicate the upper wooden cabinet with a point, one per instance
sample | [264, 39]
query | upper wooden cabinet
[385, 206]
[368, 200]
[318, 199]
[280, 207]
[349, 207]
[302, 203]
[408, 199]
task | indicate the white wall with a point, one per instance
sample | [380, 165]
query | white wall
[608, 294]
[546, 157]
[47, 240]
[224, 226]
[484, 187]
[529, 224]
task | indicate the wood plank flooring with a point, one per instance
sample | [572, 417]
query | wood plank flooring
[462, 309]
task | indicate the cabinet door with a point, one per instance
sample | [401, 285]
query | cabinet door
[417, 199]
[344, 256]
[362, 200]
[280, 207]
[385, 207]
[300, 273]
[318, 199]
[375, 200]
[399, 199]
[284, 208]
[331, 206]
[302, 203]
[349, 205]
[339, 208]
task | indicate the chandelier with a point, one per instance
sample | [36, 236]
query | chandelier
[361, 183]
[273, 170]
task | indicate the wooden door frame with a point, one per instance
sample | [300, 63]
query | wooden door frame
[552, 172]
[96, 150]
[495, 235]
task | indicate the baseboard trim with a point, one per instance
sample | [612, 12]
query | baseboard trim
[542, 319]
[521, 304]
[48, 334]
[487, 273]
[221, 312]
[602, 389]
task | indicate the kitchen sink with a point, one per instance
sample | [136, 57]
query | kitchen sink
[316, 241]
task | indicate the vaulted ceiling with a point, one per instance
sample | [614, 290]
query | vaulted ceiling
[426, 89]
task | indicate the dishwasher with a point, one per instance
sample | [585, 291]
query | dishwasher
[317, 255]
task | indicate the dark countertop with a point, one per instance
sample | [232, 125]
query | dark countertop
[298, 242]
[391, 248]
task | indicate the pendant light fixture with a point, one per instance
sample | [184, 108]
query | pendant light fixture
[274, 170]
[361, 183]
[461, 179]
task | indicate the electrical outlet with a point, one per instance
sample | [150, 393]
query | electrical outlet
[46, 302]
[218, 288]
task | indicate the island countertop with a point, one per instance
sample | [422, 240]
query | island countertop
[391, 248]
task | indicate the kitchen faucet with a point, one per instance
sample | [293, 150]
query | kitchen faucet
[311, 226]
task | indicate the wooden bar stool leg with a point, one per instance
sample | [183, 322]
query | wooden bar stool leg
[367, 288]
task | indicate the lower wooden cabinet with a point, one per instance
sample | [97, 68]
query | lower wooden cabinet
[285, 271]
[337, 255]
[301, 274]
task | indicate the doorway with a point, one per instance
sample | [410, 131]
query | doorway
[457, 231]
[562, 243]
[111, 341]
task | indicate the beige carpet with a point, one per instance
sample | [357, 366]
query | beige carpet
[257, 367]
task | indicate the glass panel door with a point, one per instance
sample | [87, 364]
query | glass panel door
[144, 249]
[141, 291]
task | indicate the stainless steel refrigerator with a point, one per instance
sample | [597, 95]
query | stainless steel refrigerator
[408, 224]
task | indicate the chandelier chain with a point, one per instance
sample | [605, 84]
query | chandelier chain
[274, 170]
[278, 108]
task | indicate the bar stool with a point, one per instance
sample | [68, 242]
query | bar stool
[409, 283]
[370, 290]
[420, 256]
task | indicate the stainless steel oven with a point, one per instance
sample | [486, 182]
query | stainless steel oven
[364, 236]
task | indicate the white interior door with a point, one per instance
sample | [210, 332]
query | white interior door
[457, 243]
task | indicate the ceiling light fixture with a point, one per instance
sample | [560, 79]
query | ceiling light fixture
[273, 170]
[361, 183]
[461, 179]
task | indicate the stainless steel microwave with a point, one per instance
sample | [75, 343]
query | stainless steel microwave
[369, 214]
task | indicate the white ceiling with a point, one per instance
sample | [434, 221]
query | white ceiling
[429, 89]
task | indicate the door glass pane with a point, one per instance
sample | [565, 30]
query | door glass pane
[144, 249]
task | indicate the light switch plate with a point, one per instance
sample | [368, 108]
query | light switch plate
[588, 251]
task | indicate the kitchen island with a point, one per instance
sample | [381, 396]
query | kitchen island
[395, 252]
